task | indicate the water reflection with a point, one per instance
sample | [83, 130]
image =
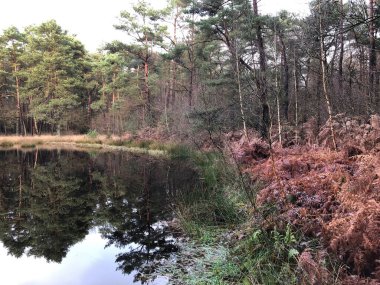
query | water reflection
[51, 200]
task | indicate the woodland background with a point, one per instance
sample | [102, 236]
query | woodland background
[196, 65]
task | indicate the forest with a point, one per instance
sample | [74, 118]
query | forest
[215, 65]
[278, 113]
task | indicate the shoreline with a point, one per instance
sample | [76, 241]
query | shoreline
[78, 143]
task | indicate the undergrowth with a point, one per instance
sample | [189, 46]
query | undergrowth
[229, 243]
[268, 257]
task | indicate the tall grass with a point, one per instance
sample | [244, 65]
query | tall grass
[179, 151]
[213, 201]
[217, 214]
[268, 257]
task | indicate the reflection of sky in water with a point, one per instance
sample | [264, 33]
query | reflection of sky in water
[129, 197]
[87, 263]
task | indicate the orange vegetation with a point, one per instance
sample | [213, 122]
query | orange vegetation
[333, 196]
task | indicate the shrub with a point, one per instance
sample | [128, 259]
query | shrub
[93, 134]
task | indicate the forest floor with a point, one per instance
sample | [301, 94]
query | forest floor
[316, 213]
[329, 195]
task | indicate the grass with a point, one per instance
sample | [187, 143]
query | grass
[268, 257]
[214, 257]
[28, 145]
[180, 151]
[215, 201]
[207, 214]
[210, 265]
[91, 140]
[230, 242]
[6, 144]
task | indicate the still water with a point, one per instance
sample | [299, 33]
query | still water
[71, 217]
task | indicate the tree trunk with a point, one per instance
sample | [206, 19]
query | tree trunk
[372, 57]
[285, 79]
[277, 90]
[341, 53]
[89, 111]
[18, 99]
[295, 92]
[261, 81]
[240, 91]
[191, 55]
[113, 88]
[20, 195]
[324, 78]
[146, 87]
[173, 63]
[146, 80]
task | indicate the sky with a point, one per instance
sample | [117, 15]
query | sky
[92, 20]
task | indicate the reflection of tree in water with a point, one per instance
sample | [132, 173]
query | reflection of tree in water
[49, 200]
[139, 230]
[45, 206]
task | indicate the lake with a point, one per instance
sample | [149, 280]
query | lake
[69, 217]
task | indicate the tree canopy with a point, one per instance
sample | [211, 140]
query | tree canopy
[218, 65]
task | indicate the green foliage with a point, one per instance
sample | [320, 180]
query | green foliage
[93, 134]
[209, 208]
[213, 201]
[145, 27]
[217, 204]
[259, 258]
[179, 151]
[269, 257]
[203, 263]
[55, 66]
[98, 105]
